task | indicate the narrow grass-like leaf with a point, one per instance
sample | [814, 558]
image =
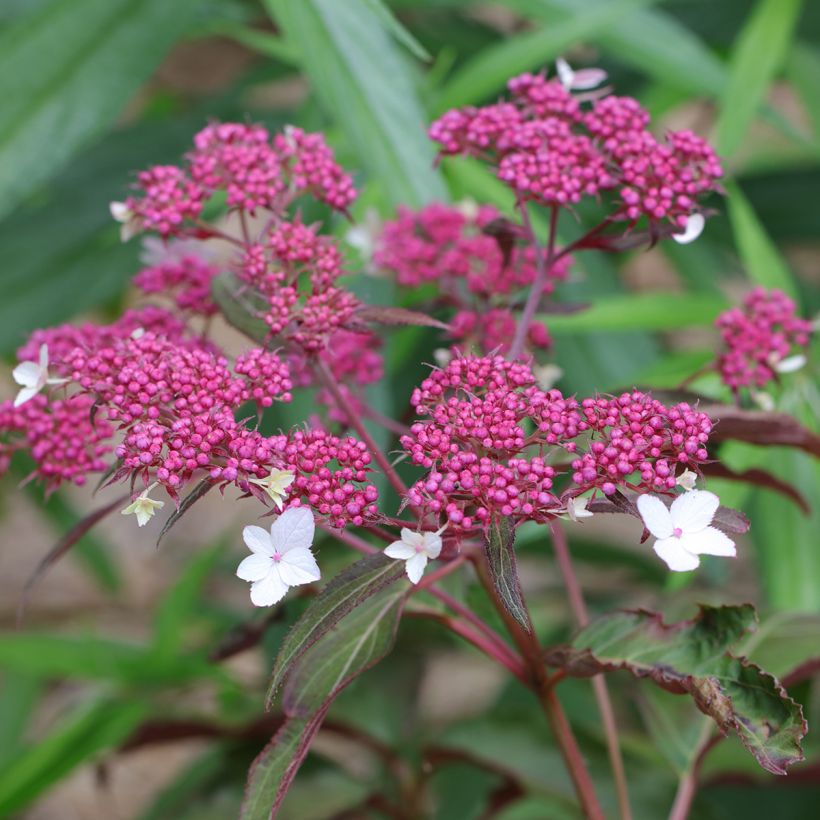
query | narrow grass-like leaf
[639, 311]
[362, 80]
[69, 68]
[397, 30]
[346, 591]
[499, 544]
[760, 257]
[803, 69]
[693, 657]
[757, 55]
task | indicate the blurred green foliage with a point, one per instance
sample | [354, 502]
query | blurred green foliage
[85, 104]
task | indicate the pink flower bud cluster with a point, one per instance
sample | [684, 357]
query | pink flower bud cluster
[255, 172]
[758, 336]
[186, 279]
[268, 377]
[60, 436]
[636, 435]
[455, 249]
[488, 437]
[551, 150]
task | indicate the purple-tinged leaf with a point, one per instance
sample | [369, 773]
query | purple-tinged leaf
[499, 543]
[62, 547]
[198, 492]
[397, 316]
[692, 657]
[761, 427]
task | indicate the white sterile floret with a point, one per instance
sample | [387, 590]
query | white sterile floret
[33, 377]
[687, 480]
[682, 530]
[130, 222]
[582, 80]
[275, 485]
[281, 558]
[694, 228]
[577, 509]
[144, 507]
[790, 364]
[415, 549]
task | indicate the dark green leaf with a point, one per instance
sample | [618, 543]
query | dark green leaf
[66, 73]
[692, 657]
[499, 542]
[363, 81]
[346, 591]
[803, 70]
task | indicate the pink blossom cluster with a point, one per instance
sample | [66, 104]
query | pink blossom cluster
[254, 171]
[186, 279]
[550, 149]
[455, 248]
[64, 442]
[490, 434]
[758, 336]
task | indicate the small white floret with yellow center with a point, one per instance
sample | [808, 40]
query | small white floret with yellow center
[144, 507]
[276, 485]
[33, 377]
[415, 549]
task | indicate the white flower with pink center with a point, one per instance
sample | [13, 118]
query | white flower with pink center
[683, 531]
[281, 558]
[415, 549]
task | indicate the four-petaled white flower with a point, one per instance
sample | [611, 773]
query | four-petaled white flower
[33, 377]
[281, 558]
[577, 509]
[415, 549]
[687, 480]
[694, 228]
[581, 80]
[144, 507]
[130, 223]
[276, 485]
[682, 530]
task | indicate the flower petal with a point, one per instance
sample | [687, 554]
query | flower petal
[670, 551]
[400, 550]
[432, 544]
[269, 590]
[44, 358]
[258, 540]
[694, 510]
[27, 374]
[298, 566]
[25, 395]
[710, 541]
[415, 567]
[655, 515]
[412, 538]
[255, 567]
[294, 529]
[791, 363]
[694, 228]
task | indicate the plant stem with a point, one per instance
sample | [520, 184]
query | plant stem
[543, 263]
[329, 381]
[579, 610]
[527, 644]
[688, 783]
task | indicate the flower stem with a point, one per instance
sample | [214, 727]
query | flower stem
[329, 381]
[579, 611]
[543, 263]
[539, 681]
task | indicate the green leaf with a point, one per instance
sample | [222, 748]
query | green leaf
[803, 69]
[79, 739]
[760, 257]
[756, 57]
[66, 73]
[397, 30]
[357, 642]
[639, 311]
[499, 543]
[347, 590]
[19, 696]
[239, 311]
[365, 84]
[488, 71]
[692, 657]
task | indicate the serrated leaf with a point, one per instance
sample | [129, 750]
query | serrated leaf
[239, 306]
[758, 52]
[198, 492]
[499, 541]
[692, 657]
[363, 81]
[357, 641]
[397, 316]
[761, 427]
[70, 68]
[346, 591]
